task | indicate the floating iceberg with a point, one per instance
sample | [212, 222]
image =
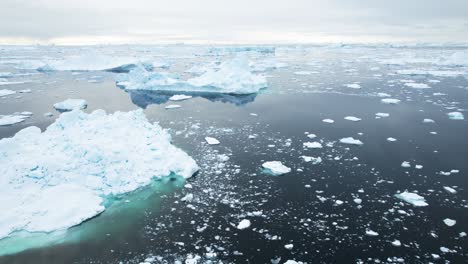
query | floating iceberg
[412, 198]
[275, 168]
[179, 97]
[390, 101]
[64, 175]
[6, 120]
[456, 116]
[233, 77]
[351, 141]
[245, 223]
[71, 104]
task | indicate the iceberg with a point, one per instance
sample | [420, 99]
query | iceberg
[179, 97]
[412, 198]
[456, 116]
[6, 120]
[390, 101]
[58, 178]
[71, 104]
[417, 85]
[233, 77]
[276, 168]
[351, 141]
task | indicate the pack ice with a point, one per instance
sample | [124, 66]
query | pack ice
[233, 76]
[56, 179]
[412, 198]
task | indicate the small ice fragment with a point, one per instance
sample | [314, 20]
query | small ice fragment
[212, 141]
[179, 97]
[288, 246]
[427, 120]
[396, 243]
[390, 139]
[351, 141]
[390, 101]
[357, 200]
[382, 115]
[371, 233]
[450, 190]
[412, 198]
[313, 159]
[24, 91]
[353, 118]
[245, 223]
[48, 114]
[276, 167]
[353, 85]
[172, 106]
[329, 121]
[313, 145]
[456, 116]
[71, 104]
[5, 92]
[449, 222]
[311, 136]
[187, 198]
[6, 120]
[339, 202]
[417, 85]
[418, 166]
[405, 164]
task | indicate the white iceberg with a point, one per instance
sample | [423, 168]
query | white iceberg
[417, 85]
[456, 116]
[233, 76]
[275, 167]
[71, 104]
[449, 222]
[412, 198]
[390, 101]
[245, 223]
[5, 92]
[6, 120]
[58, 178]
[179, 97]
[351, 141]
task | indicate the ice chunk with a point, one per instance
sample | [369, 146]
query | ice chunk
[382, 114]
[312, 144]
[313, 159]
[427, 120]
[212, 141]
[456, 116]
[71, 104]
[329, 121]
[412, 198]
[6, 120]
[396, 243]
[233, 76]
[5, 92]
[58, 178]
[179, 97]
[172, 106]
[438, 73]
[405, 164]
[351, 141]
[417, 85]
[390, 139]
[390, 101]
[449, 222]
[353, 118]
[276, 167]
[289, 246]
[353, 85]
[450, 190]
[371, 233]
[245, 223]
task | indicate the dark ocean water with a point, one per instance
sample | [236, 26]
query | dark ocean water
[297, 208]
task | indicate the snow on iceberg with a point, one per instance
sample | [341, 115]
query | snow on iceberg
[71, 104]
[412, 198]
[233, 77]
[58, 178]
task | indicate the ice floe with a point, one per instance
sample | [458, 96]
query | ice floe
[179, 97]
[412, 198]
[313, 145]
[390, 101]
[71, 104]
[449, 222]
[172, 106]
[275, 168]
[211, 141]
[352, 118]
[456, 116]
[245, 223]
[60, 177]
[353, 85]
[15, 118]
[417, 85]
[351, 141]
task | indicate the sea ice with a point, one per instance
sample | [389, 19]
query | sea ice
[276, 167]
[5, 92]
[390, 139]
[427, 120]
[76, 163]
[6, 120]
[353, 118]
[329, 121]
[449, 222]
[371, 233]
[353, 85]
[71, 104]
[390, 101]
[172, 106]
[245, 223]
[179, 97]
[456, 116]
[412, 198]
[450, 190]
[351, 141]
[313, 159]
[212, 141]
[417, 85]
[314, 145]
[382, 115]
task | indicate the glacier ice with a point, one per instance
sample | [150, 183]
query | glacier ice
[233, 77]
[412, 198]
[71, 104]
[58, 178]
[275, 168]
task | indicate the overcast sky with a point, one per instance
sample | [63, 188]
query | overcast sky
[232, 21]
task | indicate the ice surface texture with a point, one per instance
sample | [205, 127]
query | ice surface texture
[61, 177]
[233, 76]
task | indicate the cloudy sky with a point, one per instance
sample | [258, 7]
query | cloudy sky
[232, 21]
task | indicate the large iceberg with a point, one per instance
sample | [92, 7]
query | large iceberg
[56, 179]
[233, 77]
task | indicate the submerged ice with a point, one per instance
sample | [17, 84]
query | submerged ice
[58, 178]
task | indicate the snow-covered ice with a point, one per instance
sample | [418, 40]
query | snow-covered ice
[71, 104]
[276, 167]
[412, 198]
[58, 178]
